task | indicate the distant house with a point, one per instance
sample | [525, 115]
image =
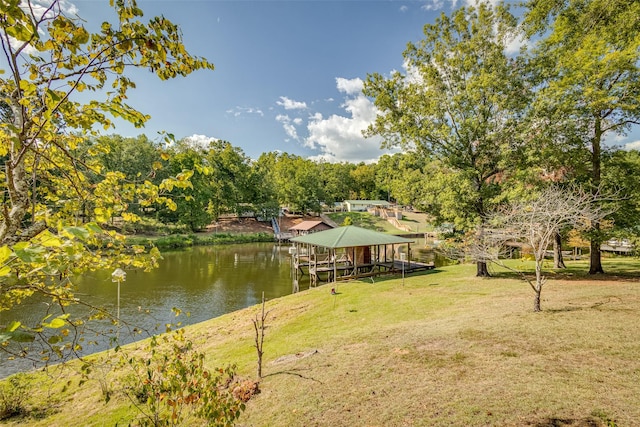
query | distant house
[308, 227]
[365, 205]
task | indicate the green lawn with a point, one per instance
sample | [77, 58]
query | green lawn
[444, 349]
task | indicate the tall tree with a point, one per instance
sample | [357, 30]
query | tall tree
[50, 57]
[458, 103]
[297, 183]
[590, 86]
[139, 159]
[261, 177]
[337, 181]
[135, 157]
[363, 177]
[230, 178]
[621, 176]
[192, 204]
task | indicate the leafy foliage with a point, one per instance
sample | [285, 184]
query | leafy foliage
[459, 104]
[170, 385]
[59, 198]
[587, 74]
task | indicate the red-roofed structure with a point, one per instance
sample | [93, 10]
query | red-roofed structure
[308, 227]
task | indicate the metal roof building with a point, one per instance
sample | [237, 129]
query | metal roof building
[350, 253]
[350, 236]
[308, 227]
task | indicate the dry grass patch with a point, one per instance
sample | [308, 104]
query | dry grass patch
[445, 349]
[484, 360]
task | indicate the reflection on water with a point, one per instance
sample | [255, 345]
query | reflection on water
[423, 250]
[205, 282]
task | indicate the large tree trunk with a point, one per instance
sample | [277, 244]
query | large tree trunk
[595, 265]
[595, 259]
[481, 264]
[482, 270]
[15, 209]
[558, 261]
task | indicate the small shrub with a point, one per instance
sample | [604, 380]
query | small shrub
[99, 371]
[171, 386]
[14, 393]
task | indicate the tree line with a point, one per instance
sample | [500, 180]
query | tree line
[223, 180]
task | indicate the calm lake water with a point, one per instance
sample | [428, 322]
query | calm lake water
[205, 282]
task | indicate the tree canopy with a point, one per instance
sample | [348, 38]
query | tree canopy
[57, 194]
[458, 103]
[588, 79]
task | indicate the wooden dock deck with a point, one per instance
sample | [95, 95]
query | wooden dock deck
[322, 272]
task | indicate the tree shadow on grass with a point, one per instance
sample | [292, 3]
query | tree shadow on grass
[573, 275]
[295, 373]
[292, 358]
[567, 422]
[395, 276]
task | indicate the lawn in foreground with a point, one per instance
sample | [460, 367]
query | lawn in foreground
[445, 348]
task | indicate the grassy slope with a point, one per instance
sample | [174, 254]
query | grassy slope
[417, 222]
[365, 220]
[445, 348]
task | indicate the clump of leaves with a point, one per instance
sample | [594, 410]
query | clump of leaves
[245, 390]
[14, 394]
[171, 386]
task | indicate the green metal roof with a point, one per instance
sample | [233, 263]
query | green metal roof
[349, 237]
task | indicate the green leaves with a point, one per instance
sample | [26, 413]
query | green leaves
[15, 22]
[56, 189]
[29, 253]
[172, 385]
[57, 322]
[459, 105]
[5, 255]
[11, 333]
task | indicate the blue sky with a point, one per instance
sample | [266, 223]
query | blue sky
[288, 73]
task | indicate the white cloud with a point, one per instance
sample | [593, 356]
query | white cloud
[404, 8]
[288, 125]
[513, 46]
[199, 142]
[434, 5]
[349, 86]
[441, 4]
[39, 8]
[635, 145]
[244, 111]
[339, 138]
[290, 104]
[620, 140]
